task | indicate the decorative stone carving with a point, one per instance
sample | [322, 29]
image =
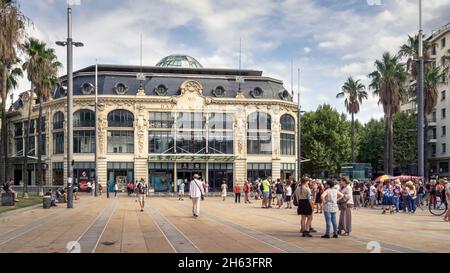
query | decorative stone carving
[141, 91]
[192, 87]
[141, 126]
[240, 95]
[102, 127]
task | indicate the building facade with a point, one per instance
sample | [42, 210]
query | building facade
[439, 120]
[174, 120]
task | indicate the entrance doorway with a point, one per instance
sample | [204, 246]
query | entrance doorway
[189, 175]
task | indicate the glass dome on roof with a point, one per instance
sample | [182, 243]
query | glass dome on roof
[183, 61]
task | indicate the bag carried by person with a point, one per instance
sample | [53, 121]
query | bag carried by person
[342, 204]
[202, 195]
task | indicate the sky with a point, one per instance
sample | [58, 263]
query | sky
[328, 40]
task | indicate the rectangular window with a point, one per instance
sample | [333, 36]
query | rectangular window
[19, 146]
[444, 148]
[444, 131]
[220, 142]
[162, 120]
[220, 121]
[443, 167]
[191, 142]
[433, 117]
[434, 135]
[259, 143]
[31, 146]
[287, 144]
[18, 129]
[186, 120]
[444, 113]
[58, 143]
[121, 142]
[84, 141]
[443, 43]
[160, 142]
[433, 150]
[433, 50]
[443, 93]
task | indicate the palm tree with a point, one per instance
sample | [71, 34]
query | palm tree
[34, 65]
[354, 93]
[49, 79]
[388, 83]
[410, 50]
[12, 30]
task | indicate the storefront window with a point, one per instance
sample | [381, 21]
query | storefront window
[191, 142]
[220, 142]
[161, 176]
[84, 172]
[258, 171]
[219, 172]
[120, 173]
[287, 137]
[58, 173]
[161, 120]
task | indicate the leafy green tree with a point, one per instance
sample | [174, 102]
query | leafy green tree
[325, 140]
[405, 140]
[372, 144]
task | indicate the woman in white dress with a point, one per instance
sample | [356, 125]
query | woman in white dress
[224, 190]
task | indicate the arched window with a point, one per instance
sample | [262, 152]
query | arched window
[120, 118]
[58, 120]
[84, 118]
[287, 123]
[287, 136]
[120, 141]
[259, 135]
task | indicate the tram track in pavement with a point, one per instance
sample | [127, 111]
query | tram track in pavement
[267, 239]
[359, 239]
[17, 232]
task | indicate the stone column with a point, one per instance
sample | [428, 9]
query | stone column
[141, 143]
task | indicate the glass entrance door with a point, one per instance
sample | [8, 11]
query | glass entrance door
[189, 175]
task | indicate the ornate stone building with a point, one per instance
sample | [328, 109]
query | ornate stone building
[177, 120]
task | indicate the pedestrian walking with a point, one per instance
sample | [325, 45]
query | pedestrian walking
[305, 206]
[265, 189]
[224, 190]
[318, 200]
[247, 189]
[140, 187]
[356, 194]
[116, 189]
[388, 197]
[345, 207]
[330, 198]
[373, 195]
[288, 191]
[411, 197]
[237, 193]
[279, 190]
[196, 193]
[397, 195]
[447, 199]
[181, 190]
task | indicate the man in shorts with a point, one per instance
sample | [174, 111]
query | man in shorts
[181, 190]
[141, 193]
[265, 185]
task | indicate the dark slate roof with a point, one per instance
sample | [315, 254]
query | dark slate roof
[172, 78]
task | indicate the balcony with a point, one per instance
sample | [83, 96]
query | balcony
[432, 139]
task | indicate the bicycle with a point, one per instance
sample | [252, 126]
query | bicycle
[438, 206]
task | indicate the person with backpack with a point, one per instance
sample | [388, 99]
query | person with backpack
[140, 186]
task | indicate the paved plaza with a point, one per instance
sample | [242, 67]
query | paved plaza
[116, 225]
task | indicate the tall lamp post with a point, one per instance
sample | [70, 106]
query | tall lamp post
[69, 44]
[420, 99]
[299, 134]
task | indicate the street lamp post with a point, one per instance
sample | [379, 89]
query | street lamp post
[299, 134]
[69, 44]
[420, 98]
